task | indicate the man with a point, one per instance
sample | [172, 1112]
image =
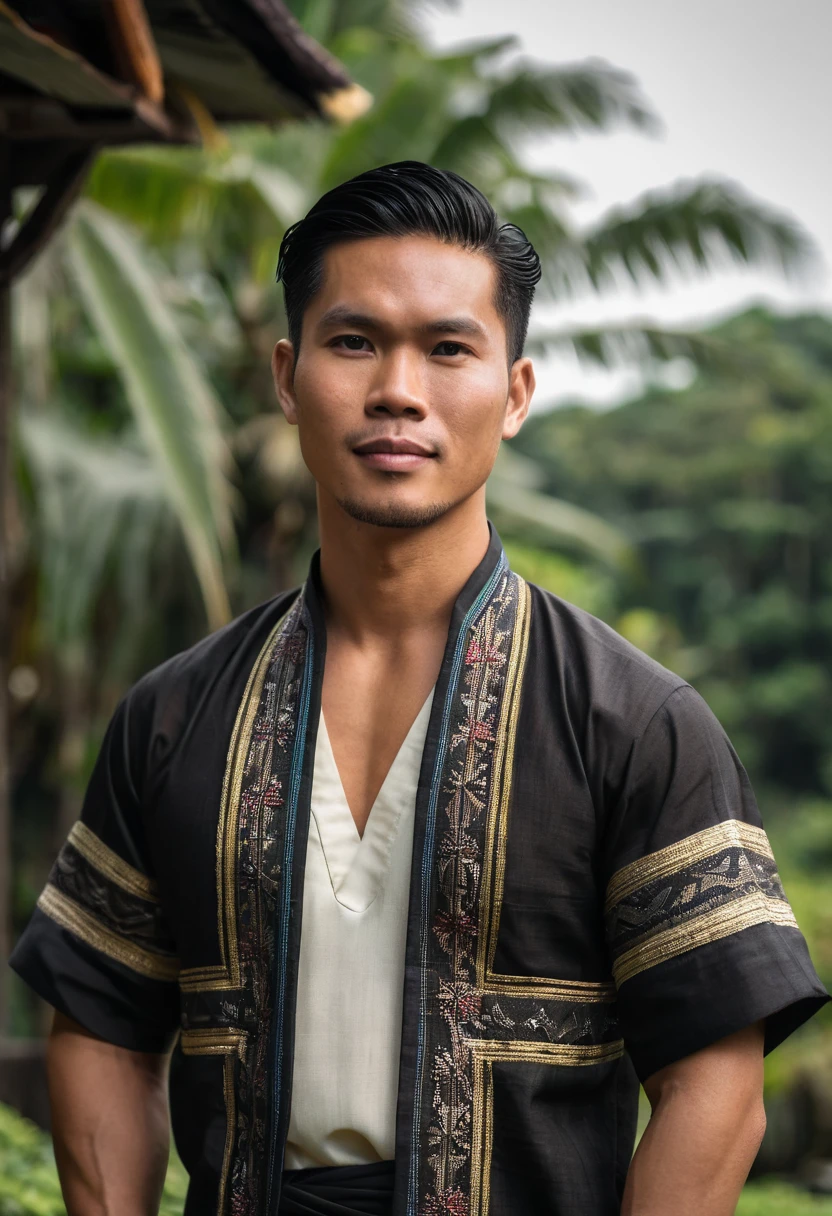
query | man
[423, 865]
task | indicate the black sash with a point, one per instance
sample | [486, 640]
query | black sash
[342, 1190]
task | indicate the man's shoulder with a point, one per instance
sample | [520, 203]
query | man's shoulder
[599, 670]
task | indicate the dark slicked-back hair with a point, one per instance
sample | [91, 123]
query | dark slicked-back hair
[407, 199]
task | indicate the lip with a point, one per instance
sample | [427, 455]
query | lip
[393, 453]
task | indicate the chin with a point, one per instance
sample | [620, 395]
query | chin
[394, 514]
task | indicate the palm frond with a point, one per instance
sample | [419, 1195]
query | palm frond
[175, 408]
[164, 191]
[474, 149]
[100, 508]
[696, 226]
[170, 193]
[469, 58]
[592, 95]
[616, 345]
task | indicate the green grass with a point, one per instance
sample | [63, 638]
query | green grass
[29, 1181]
[780, 1199]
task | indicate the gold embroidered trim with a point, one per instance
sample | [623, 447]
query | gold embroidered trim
[204, 979]
[213, 1040]
[70, 915]
[228, 1094]
[482, 1138]
[493, 883]
[488, 1052]
[493, 879]
[111, 865]
[752, 909]
[569, 1055]
[226, 1041]
[227, 974]
[733, 833]
[582, 991]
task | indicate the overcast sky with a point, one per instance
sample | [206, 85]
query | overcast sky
[744, 91]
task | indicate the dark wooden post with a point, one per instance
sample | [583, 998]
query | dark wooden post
[5, 594]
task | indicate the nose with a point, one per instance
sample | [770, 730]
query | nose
[397, 389]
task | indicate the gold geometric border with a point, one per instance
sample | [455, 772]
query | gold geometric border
[485, 1054]
[70, 915]
[213, 1041]
[732, 833]
[496, 829]
[111, 865]
[228, 1043]
[227, 975]
[585, 992]
[752, 909]
[496, 835]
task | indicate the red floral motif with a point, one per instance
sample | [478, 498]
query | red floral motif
[446, 1203]
[483, 652]
[273, 796]
[479, 731]
[290, 646]
[460, 1002]
[448, 926]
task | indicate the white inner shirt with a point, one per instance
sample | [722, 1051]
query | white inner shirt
[351, 968]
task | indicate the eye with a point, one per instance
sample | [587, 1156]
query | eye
[351, 342]
[450, 349]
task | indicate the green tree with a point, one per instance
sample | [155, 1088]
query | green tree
[724, 490]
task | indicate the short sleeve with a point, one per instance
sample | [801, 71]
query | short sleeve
[98, 947]
[703, 941]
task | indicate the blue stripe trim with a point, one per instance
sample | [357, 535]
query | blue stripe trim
[286, 897]
[427, 862]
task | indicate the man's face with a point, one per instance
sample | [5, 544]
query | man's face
[402, 389]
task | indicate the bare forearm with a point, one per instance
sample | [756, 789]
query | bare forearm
[109, 1124]
[703, 1135]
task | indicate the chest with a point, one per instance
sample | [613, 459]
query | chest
[370, 702]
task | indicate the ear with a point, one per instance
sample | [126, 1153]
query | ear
[521, 386]
[283, 369]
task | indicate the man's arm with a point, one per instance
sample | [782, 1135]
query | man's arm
[110, 1123]
[706, 1126]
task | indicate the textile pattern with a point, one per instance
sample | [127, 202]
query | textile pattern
[474, 1018]
[711, 884]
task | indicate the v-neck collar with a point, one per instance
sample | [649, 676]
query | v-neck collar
[357, 864]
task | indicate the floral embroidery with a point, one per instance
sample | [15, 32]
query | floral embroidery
[467, 779]
[261, 842]
[470, 1013]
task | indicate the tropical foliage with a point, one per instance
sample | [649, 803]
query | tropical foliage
[723, 490]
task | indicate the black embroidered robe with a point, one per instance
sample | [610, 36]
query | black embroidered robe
[592, 898]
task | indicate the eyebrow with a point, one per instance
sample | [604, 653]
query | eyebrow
[343, 315]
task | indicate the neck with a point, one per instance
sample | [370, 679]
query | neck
[382, 583]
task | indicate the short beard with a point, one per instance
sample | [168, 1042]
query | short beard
[391, 515]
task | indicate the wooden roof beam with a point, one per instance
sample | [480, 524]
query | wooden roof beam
[134, 47]
[50, 209]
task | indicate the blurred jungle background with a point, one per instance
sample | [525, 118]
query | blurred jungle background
[157, 489]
